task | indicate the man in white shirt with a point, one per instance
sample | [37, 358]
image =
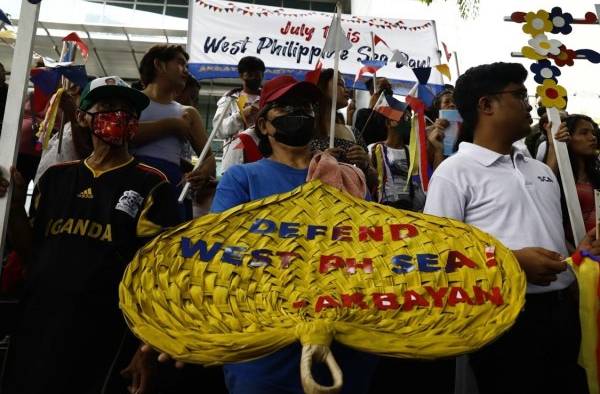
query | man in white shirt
[493, 186]
[242, 111]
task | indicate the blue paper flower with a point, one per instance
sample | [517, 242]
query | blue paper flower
[543, 70]
[561, 23]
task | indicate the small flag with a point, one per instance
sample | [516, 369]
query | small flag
[336, 31]
[399, 58]
[422, 74]
[369, 66]
[377, 40]
[73, 37]
[448, 54]
[391, 108]
[444, 70]
[8, 34]
[4, 18]
[313, 76]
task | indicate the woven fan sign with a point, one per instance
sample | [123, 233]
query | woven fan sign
[314, 265]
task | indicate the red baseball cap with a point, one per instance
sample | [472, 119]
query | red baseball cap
[285, 85]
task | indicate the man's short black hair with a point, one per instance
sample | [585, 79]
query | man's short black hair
[481, 81]
[162, 52]
[249, 64]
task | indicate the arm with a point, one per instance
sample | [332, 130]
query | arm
[198, 140]
[435, 146]
[20, 231]
[153, 130]
[232, 123]
[562, 135]
[445, 199]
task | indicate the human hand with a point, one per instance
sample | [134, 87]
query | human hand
[20, 188]
[141, 371]
[250, 112]
[590, 243]
[162, 357]
[436, 136]
[561, 135]
[337, 153]
[67, 105]
[540, 265]
[358, 156]
[201, 177]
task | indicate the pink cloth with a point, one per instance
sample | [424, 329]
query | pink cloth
[343, 176]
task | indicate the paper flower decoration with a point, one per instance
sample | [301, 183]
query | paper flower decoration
[564, 57]
[543, 69]
[543, 46]
[552, 94]
[537, 23]
[561, 23]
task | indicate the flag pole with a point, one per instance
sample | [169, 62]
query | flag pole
[456, 62]
[334, 84]
[19, 78]
[374, 58]
[206, 148]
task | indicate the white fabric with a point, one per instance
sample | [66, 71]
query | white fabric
[50, 156]
[232, 123]
[518, 204]
[541, 152]
[235, 154]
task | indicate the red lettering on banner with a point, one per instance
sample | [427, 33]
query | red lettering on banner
[402, 231]
[438, 296]
[412, 298]
[494, 296]
[326, 301]
[384, 301]
[348, 300]
[457, 260]
[458, 295]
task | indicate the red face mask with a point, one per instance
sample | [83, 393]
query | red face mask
[114, 127]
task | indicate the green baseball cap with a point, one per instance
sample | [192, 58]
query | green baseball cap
[108, 87]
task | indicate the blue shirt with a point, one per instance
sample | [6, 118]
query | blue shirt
[279, 372]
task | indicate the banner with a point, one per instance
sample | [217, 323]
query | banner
[290, 41]
[317, 264]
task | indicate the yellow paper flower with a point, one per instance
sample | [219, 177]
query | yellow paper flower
[552, 94]
[537, 23]
[530, 53]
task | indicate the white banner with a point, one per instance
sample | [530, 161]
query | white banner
[291, 41]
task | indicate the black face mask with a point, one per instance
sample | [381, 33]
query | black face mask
[403, 129]
[294, 129]
[253, 84]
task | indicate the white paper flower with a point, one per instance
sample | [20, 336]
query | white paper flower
[543, 46]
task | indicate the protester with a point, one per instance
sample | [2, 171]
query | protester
[494, 187]
[369, 123]
[88, 219]
[76, 141]
[285, 124]
[583, 154]
[391, 159]
[348, 147]
[242, 111]
[435, 132]
[165, 125]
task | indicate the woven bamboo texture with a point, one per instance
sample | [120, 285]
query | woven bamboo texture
[216, 312]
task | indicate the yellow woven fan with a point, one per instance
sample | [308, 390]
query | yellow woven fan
[313, 265]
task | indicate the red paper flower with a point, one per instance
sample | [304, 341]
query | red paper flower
[565, 57]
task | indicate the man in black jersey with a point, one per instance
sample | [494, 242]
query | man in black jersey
[87, 220]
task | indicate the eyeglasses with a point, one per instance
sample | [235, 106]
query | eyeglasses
[520, 94]
[307, 108]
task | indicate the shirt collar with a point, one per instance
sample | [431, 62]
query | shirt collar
[486, 156]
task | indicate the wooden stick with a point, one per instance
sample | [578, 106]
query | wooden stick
[334, 84]
[567, 178]
[204, 153]
[597, 200]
